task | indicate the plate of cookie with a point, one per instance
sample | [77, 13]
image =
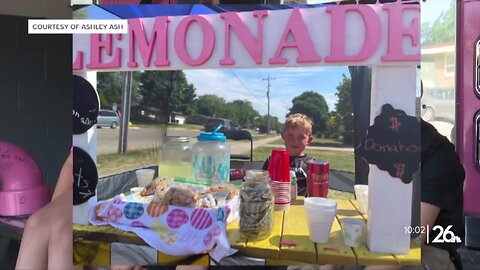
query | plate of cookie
[176, 218]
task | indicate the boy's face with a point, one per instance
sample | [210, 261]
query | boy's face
[296, 140]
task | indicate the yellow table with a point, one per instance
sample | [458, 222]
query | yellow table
[290, 225]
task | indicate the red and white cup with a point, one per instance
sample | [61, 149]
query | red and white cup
[281, 192]
[279, 169]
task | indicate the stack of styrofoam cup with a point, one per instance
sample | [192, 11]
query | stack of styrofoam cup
[320, 215]
[361, 194]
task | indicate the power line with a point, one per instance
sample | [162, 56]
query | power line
[243, 84]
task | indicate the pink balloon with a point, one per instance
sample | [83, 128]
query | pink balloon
[23, 191]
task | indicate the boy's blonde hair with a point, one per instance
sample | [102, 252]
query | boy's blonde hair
[299, 120]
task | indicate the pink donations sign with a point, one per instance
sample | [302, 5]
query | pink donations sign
[331, 35]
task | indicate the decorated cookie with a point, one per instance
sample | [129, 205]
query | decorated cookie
[98, 212]
[137, 223]
[114, 214]
[156, 209]
[217, 231]
[118, 200]
[177, 218]
[201, 219]
[208, 239]
[133, 210]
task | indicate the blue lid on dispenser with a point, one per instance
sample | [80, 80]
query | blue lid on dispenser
[211, 136]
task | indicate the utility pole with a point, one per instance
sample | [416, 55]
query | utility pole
[126, 102]
[268, 102]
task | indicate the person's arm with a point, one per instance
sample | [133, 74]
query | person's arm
[428, 216]
[65, 179]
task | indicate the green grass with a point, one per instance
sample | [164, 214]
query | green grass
[257, 137]
[115, 163]
[339, 160]
[326, 142]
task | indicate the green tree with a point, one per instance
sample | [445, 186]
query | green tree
[334, 126]
[344, 106]
[261, 122]
[313, 105]
[442, 29]
[210, 105]
[183, 94]
[166, 91]
[241, 112]
[80, 14]
[110, 87]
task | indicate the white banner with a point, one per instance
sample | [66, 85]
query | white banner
[331, 35]
[77, 26]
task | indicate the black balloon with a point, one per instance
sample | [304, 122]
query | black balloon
[85, 176]
[85, 105]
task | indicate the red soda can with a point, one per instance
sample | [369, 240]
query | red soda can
[317, 178]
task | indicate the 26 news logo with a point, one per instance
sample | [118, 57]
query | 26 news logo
[445, 235]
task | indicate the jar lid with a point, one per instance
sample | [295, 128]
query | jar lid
[177, 138]
[211, 136]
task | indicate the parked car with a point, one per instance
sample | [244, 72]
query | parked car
[108, 118]
[438, 104]
[227, 125]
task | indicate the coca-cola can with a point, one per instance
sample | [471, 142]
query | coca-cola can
[317, 178]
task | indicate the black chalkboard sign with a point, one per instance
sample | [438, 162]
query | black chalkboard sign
[85, 176]
[85, 105]
[393, 143]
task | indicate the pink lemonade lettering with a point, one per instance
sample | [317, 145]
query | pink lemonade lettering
[301, 40]
[254, 46]
[158, 39]
[396, 32]
[78, 64]
[106, 53]
[373, 31]
[96, 47]
[181, 37]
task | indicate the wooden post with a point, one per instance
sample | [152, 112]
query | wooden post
[390, 200]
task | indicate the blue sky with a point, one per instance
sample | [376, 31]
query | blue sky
[249, 84]
[287, 83]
